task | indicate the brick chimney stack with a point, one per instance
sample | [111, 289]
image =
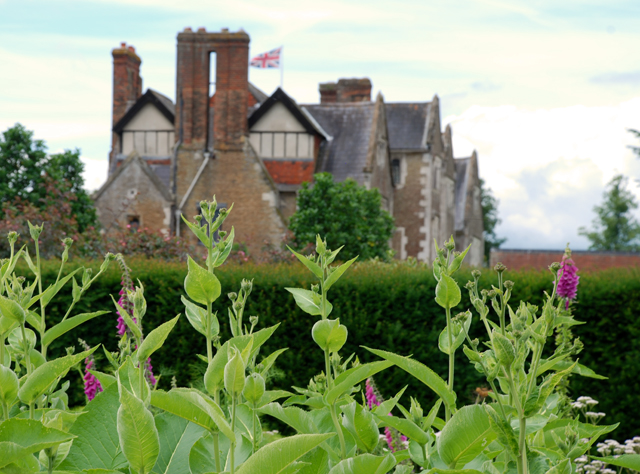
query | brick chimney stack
[127, 88]
[346, 90]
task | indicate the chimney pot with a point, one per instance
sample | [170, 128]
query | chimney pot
[123, 45]
[354, 90]
[132, 49]
[202, 29]
[187, 29]
[225, 30]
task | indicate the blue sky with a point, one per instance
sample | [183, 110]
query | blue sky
[544, 90]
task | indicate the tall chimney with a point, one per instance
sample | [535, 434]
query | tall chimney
[127, 88]
[127, 83]
[354, 90]
[327, 92]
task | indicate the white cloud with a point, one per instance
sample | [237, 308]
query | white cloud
[549, 167]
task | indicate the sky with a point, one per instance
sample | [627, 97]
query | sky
[545, 91]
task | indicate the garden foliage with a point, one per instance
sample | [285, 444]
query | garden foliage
[134, 424]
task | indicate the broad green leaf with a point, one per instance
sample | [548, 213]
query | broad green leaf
[127, 319]
[268, 361]
[295, 417]
[196, 316]
[422, 373]
[404, 426]
[8, 385]
[452, 471]
[53, 290]
[313, 266]
[458, 335]
[630, 461]
[202, 455]
[34, 320]
[234, 374]
[466, 435]
[96, 445]
[275, 457]
[563, 468]
[503, 348]
[253, 388]
[222, 256]
[154, 340]
[137, 433]
[105, 380]
[271, 396]
[20, 438]
[12, 310]
[67, 325]
[177, 437]
[388, 405]
[201, 286]
[305, 300]
[193, 406]
[457, 261]
[40, 379]
[200, 232]
[337, 273]
[365, 463]
[447, 292]
[362, 426]
[348, 379]
[533, 406]
[504, 432]
[7, 325]
[15, 339]
[578, 369]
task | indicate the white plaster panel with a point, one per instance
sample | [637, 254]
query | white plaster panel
[278, 119]
[149, 118]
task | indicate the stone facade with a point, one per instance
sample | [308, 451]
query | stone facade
[255, 151]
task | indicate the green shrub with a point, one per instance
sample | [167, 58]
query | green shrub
[389, 307]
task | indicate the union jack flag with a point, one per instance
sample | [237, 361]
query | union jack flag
[269, 60]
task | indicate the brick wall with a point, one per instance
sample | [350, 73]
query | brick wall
[232, 87]
[345, 90]
[585, 261]
[290, 172]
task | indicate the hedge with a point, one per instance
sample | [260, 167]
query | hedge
[384, 306]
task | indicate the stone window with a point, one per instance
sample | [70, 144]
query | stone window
[133, 223]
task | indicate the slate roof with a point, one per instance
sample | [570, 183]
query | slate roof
[350, 126]
[406, 123]
[462, 180]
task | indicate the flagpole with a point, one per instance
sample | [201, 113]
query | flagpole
[281, 68]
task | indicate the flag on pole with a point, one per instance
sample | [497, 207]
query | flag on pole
[268, 60]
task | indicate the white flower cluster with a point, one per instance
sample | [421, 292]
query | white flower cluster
[584, 402]
[609, 447]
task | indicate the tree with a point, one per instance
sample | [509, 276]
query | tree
[25, 165]
[615, 228]
[345, 214]
[490, 220]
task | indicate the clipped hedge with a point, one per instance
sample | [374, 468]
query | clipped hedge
[389, 307]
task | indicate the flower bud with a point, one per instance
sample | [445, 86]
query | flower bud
[12, 237]
[508, 284]
[35, 230]
[470, 285]
[554, 267]
[232, 296]
[86, 276]
[321, 247]
[253, 320]
[198, 219]
[253, 388]
[476, 274]
[329, 334]
[449, 244]
[247, 286]
[499, 267]
[238, 305]
[222, 234]
[416, 411]
[315, 288]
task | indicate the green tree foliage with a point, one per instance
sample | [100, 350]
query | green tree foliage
[490, 220]
[347, 214]
[614, 227]
[25, 168]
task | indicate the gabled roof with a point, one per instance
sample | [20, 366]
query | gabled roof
[280, 96]
[162, 103]
[257, 94]
[350, 126]
[407, 123]
[134, 157]
[466, 176]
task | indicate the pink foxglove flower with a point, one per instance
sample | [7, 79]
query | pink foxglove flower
[568, 283]
[373, 400]
[91, 384]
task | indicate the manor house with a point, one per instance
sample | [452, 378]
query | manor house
[255, 151]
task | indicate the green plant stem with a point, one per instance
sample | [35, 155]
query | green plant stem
[2, 338]
[522, 442]
[141, 377]
[43, 347]
[253, 418]
[336, 423]
[49, 461]
[233, 428]
[451, 359]
[5, 411]
[216, 450]
[208, 330]
[534, 369]
[73, 303]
